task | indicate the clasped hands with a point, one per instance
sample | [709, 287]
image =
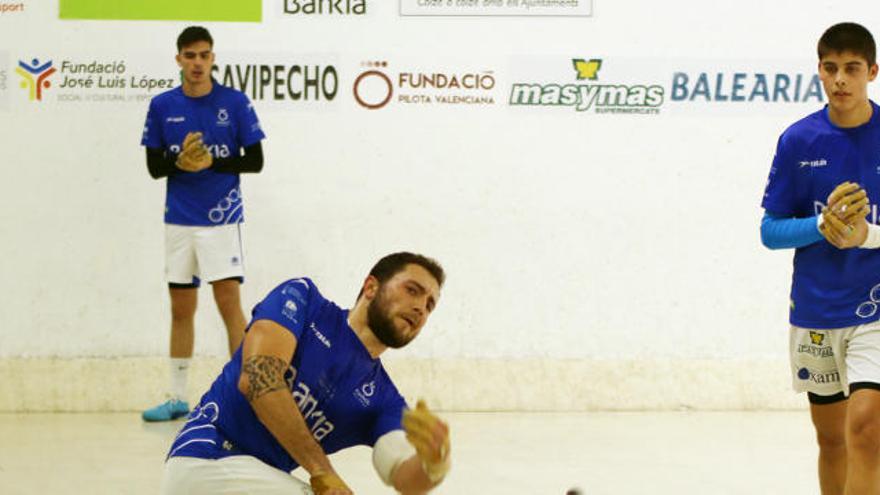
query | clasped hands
[843, 220]
[194, 155]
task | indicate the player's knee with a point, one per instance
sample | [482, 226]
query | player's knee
[183, 309]
[227, 297]
[864, 431]
[183, 313]
[830, 442]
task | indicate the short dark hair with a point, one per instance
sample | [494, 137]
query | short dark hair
[192, 35]
[848, 37]
[390, 265]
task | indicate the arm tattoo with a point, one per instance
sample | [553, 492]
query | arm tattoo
[265, 374]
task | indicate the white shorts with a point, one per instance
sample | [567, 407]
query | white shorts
[230, 475]
[193, 254]
[827, 362]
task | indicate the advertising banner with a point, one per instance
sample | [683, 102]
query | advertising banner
[524, 8]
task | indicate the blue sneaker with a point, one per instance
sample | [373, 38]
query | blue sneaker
[166, 411]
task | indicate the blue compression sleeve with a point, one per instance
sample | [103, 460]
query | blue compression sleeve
[784, 233]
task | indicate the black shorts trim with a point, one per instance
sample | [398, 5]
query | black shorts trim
[822, 400]
[863, 385]
[174, 285]
[240, 280]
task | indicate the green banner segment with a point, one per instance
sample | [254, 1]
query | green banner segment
[170, 10]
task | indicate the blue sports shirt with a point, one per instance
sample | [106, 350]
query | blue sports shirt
[228, 123]
[345, 395]
[831, 288]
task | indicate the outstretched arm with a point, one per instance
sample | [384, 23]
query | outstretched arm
[416, 459]
[266, 353]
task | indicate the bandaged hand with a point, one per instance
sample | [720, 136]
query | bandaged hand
[329, 484]
[430, 437]
[194, 156]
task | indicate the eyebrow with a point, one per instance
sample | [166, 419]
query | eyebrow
[849, 64]
[424, 290]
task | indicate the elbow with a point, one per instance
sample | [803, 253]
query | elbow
[765, 237]
[257, 166]
[156, 170]
[770, 238]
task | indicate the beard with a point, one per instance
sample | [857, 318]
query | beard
[382, 325]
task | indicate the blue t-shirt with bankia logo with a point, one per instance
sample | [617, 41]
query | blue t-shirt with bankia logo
[831, 288]
[345, 395]
[228, 122]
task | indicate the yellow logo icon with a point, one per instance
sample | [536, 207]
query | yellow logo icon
[817, 338]
[587, 69]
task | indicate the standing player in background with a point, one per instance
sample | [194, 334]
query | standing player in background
[201, 136]
[307, 382]
[835, 293]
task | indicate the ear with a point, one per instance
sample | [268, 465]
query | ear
[177, 58]
[872, 72]
[371, 287]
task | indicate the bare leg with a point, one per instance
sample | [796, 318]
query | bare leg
[183, 312]
[228, 298]
[830, 423]
[863, 443]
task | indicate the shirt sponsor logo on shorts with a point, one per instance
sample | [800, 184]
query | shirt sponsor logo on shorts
[815, 351]
[815, 347]
[820, 378]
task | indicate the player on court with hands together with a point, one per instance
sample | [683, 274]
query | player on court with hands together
[200, 136]
[307, 382]
[823, 177]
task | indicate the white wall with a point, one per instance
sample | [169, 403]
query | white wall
[625, 240]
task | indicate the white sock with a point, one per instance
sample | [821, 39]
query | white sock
[179, 375]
